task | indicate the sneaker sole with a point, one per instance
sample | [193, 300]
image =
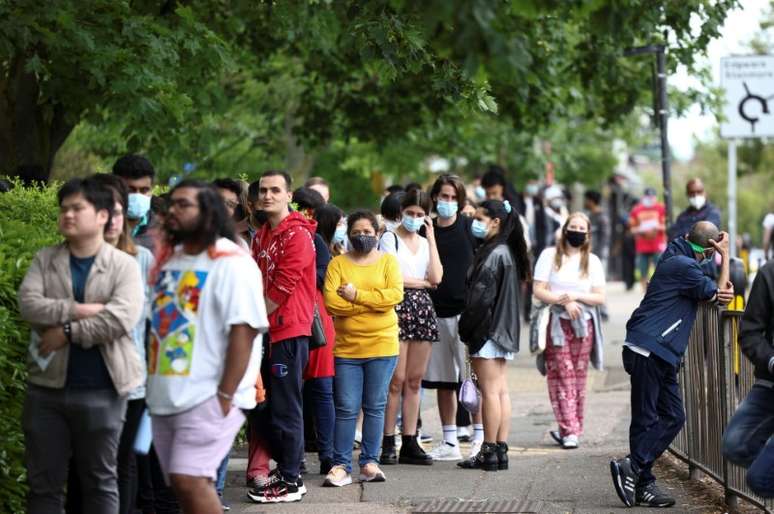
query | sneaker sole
[452, 458]
[663, 505]
[337, 483]
[377, 478]
[615, 471]
[288, 498]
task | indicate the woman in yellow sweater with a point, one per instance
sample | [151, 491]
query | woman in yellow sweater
[361, 290]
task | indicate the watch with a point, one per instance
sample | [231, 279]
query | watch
[68, 331]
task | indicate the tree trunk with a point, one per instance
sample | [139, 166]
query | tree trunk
[31, 130]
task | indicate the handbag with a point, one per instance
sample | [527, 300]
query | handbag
[318, 339]
[470, 396]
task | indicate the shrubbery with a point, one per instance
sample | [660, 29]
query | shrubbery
[28, 222]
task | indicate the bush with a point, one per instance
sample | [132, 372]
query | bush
[28, 222]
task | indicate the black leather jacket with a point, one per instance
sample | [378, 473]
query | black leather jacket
[492, 300]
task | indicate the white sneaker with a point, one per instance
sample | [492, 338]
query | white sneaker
[475, 447]
[446, 451]
[337, 477]
[463, 434]
[570, 442]
[424, 438]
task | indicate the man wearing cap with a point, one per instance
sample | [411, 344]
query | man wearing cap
[647, 221]
[656, 339]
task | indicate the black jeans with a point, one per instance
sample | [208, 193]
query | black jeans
[127, 464]
[657, 410]
[286, 361]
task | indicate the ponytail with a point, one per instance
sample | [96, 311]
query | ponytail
[511, 233]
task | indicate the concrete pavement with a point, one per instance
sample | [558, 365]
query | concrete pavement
[542, 476]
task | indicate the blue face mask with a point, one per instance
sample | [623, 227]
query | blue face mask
[340, 235]
[412, 224]
[480, 193]
[479, 229]
[139, 205]
[446, 209]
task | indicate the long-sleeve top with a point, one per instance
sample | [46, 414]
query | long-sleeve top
[756, 333]
[368, 326]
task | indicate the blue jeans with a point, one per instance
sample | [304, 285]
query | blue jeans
[360, 383]
[220, 484]
[746, 441]
[319, 391]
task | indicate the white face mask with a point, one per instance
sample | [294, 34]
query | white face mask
[698, 201]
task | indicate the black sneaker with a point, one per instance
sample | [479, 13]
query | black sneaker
[651, 495]
[281, 491]
[624, 480]
[260, 487]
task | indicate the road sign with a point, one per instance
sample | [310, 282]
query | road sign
[748, 84]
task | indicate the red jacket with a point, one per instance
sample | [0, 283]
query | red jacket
[286, 258]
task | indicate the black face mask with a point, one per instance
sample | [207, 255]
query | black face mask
[363, 244]
[575, 238]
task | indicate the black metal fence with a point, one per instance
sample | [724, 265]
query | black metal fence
[714, 380]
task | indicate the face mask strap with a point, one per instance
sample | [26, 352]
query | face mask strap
[697, 248]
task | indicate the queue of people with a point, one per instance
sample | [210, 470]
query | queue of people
[225, 303]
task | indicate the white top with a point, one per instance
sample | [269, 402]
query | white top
[768, 221]
[196, 301]
[567, 279]
[412, 265]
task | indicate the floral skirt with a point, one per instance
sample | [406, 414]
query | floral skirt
[416, 317]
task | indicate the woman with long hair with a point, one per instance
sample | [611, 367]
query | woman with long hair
[421, 267]
[490, 323]
[332, 227]
[361, 290]
[571, 280]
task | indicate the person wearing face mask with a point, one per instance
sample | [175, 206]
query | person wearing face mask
[391, 211]
[570, 279]
[489, 324]
[647, 221]
[456, 246]
[138, 175]
[362, 288]
[422, 270]
[332, 226]
[657, 336]
[699, 209]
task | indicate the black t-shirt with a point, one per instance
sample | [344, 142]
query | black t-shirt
[456, 246]
[86, 369]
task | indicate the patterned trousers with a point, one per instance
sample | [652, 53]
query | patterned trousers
[566, 370]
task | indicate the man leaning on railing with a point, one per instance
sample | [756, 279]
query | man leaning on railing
[745, 440]
[656, 339]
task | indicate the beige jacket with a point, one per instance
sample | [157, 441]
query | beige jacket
[46, 300]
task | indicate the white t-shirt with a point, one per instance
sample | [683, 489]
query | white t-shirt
[195, 302]
[567, 279]
[412, 265]
[768, 221]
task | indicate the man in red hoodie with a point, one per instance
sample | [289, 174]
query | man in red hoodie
[284, 250]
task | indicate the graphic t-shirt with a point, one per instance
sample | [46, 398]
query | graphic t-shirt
[197, 298]
[644, 221]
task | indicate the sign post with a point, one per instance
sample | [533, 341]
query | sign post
[748, 112]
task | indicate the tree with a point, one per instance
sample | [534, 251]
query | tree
[367, 70]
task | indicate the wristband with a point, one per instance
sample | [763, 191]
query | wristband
[225, 396]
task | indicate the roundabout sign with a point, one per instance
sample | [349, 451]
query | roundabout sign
[748, 85]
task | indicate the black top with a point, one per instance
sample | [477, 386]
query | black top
[85, 368]
[756, 332]
[456, 246]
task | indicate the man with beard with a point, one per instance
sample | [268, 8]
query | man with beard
[204, 356]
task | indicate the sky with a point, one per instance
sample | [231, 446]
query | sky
[739, 27]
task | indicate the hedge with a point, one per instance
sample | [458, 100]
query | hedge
[28, 222]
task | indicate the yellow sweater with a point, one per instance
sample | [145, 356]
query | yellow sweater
[367, 327]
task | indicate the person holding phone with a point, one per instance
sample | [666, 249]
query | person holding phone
[421, 267]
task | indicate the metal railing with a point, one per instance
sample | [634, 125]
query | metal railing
[714, 380]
